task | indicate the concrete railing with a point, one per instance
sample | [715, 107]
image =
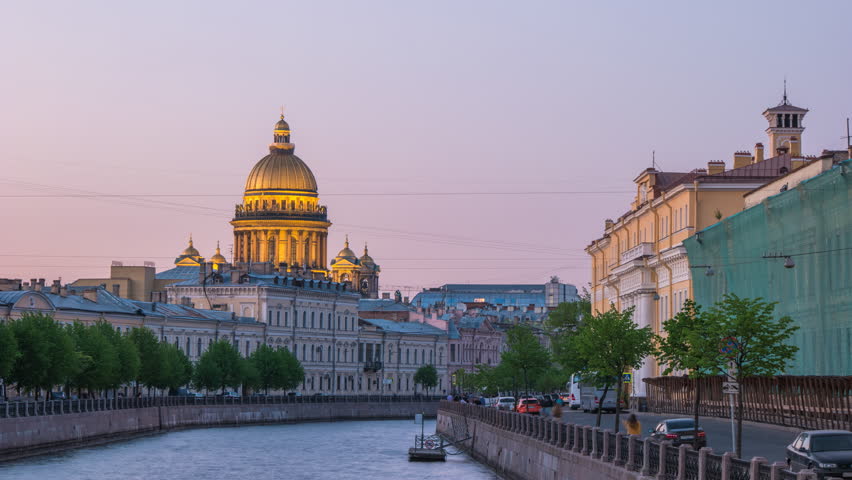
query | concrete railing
[634, 456]
[62, 407]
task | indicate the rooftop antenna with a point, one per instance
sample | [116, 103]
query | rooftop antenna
[785, 102]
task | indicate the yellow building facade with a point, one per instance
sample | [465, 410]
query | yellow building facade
[639, 261]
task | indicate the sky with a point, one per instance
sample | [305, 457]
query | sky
[466, 142]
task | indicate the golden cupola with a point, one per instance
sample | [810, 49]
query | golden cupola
[189, 257]
[280, 219]
[218, 258]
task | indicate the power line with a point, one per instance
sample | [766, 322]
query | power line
[346, 194]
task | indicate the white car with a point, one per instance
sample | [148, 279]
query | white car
[505, 403]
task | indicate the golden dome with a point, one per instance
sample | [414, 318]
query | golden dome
[281, 170]
[190, 251]
[346, 253]
[366, 259]
[218, 257]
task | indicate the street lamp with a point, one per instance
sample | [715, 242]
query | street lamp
[788, 259]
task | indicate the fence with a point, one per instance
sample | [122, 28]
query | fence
[803, 402]
[631, 452]
[61, 407]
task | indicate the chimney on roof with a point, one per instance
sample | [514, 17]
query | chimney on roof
[385, 295]
[54, 288]
[795, 147]
[741, 159]
[63, 291]
[202, 272]
[608, 223]
[715, 166]
[758, 152]
[33, 283]
[797, 163]
[186, 301]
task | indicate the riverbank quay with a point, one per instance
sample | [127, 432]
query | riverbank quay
[36, 428]
[528, 447]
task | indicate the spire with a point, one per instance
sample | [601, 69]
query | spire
[190, 239]
[365, 248]
[346, 243]
[218, 252]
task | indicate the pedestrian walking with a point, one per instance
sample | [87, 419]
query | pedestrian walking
[556, 412]
[632, 425]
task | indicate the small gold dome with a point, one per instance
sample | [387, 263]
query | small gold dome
[366, 259]
[218, 258]
[346, 253]
[191, 251]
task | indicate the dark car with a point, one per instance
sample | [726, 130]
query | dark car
[827, 452]
[546, 400]
[679, 431]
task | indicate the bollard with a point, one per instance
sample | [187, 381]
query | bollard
[681, 461]
[560, 439]
[806, 475]
[754, 467]
[578, 431]
[775, 472]
[595, 453]
[726, 464]
[631, 453]
[587, 445]
[605, 449]
[646, 457]
[618, 459]
[702, 462]
[661, 463]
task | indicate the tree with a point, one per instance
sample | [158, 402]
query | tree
[175, 370]
[270, 368]
[611, 344]
[427, 377]
[562, 325]
[761, 347]
[47, 355]
[525, 354]
[99, 368]
[219, 367]
[8, 353]
[150, 356]
[552, 379]
[294, 370]
[690, 343]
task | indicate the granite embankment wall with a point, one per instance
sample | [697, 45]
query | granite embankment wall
[35, 435]
[526, 447]
[517, 456]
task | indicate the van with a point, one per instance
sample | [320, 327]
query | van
[572, 397]
[592, 399]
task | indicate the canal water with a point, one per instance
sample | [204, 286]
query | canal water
[363, 450]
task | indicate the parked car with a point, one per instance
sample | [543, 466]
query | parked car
[827, 452]
[528, 405]
[592, 398]
[546, 400]
[505, 403]
[57, 396]
[229, 394]
[679, 431]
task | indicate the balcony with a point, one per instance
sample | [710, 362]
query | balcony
[279, 212]
[373, 366]
[645, 249]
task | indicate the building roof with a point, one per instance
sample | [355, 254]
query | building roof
[382, 305]
[415, 328]
[178, 273]
[485, 287]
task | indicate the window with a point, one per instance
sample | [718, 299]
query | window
[278, 318]
[312, 320]
[304, 319]
[453, 353]
[322, 321]
[187, 345]
[286, 319]
[248, 347]
[269, 316]
[304, 355]
[198, 350]
[116, 290]
[338, 322]
[407, 356]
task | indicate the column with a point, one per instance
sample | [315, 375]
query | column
[314, 249]
[300, 248]
[263, 255]
[644, 317]
[289, 249]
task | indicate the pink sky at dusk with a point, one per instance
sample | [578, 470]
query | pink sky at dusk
[384, 98]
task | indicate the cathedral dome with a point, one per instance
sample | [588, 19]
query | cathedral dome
[281, 170]
[366, 259]
[190, 251]
[218, 258]
[346, 254]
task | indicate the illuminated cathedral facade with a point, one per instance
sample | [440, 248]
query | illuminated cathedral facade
[280, 227]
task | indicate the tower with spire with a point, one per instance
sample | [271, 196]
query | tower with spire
[785, 127]
[361, 274]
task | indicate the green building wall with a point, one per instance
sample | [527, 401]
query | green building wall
[813, 219]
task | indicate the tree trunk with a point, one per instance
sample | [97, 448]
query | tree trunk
[695, 407]
[739, 421]
[618, 387]
[600, 404]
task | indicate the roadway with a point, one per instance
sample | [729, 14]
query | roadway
[759, 440]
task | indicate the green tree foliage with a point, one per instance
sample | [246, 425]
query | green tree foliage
[427, 377]
[150, 356]
[690, 343]
[562, 325]
[46, 353]
[99, 367]
[175, 370]
[8, 351]
[275, 369]
[552, 379]
[611, 344]
[525, 355]
[219, 367]
[762, 346]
